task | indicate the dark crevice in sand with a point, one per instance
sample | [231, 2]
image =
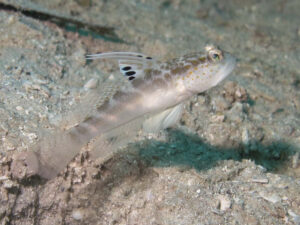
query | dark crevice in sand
[96, 31]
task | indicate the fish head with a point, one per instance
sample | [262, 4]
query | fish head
[213, 66]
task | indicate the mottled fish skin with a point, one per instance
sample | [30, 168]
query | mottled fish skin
[155, 87]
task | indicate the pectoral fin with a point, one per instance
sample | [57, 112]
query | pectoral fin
[163, 119]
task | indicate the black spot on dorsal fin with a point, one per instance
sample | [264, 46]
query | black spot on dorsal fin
[130, 73]
[126, 68]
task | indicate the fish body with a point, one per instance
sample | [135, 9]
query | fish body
[155, 86]
[156, 89]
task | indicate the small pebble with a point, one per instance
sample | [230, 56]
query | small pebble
[111, 77]
[224, 202]
[77, 214]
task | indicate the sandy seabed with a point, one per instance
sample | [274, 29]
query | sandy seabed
[232, 159]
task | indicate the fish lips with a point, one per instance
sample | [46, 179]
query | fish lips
[226, 69]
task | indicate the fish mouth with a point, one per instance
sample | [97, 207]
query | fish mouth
[226, 69]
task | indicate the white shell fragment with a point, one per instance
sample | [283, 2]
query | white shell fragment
[260, 180]
[273, 198]
[91, 84]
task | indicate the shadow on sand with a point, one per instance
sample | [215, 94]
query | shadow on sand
[189, 150]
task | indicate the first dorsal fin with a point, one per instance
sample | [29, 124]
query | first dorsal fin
[131, 64]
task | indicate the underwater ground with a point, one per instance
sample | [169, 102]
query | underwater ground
[232, 159]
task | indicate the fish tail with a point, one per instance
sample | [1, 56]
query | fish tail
[51, 155]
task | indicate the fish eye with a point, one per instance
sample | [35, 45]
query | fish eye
[215, 56]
